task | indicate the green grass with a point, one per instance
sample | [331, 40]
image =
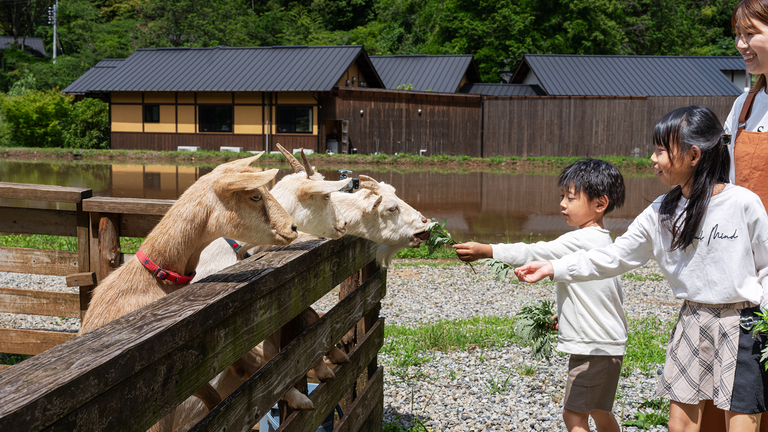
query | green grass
[639, 277]
[646, 344]
[62, 243]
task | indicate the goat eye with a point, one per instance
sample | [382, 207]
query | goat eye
[256, 198]
[327, 197]
[393, 209]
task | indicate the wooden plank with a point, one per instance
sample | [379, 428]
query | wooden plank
[36, 302]
[38, 221]
[4, 366]
[81, 279]
[166, 350]
[137, 225]
[43, 192]
[371, 400]
[326, 395]
[16, 341]
[254, 398]
[138, 206]
[38, 261]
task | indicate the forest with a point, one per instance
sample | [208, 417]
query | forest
[497, 32]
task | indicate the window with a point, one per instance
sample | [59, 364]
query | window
[215, 118]
[151, 113]
[294, 119]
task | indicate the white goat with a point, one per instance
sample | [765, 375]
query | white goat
[230, 201]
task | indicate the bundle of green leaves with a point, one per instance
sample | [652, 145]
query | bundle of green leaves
[761, 328]
[439, 238]
[534, 326]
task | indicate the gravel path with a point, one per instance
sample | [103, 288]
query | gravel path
[451, 391]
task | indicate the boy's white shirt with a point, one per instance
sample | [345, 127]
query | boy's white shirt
[727, 264]
[590, 315]
[757, 121]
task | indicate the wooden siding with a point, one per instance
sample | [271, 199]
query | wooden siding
[581, 126]
[391, 123]
[171, 142]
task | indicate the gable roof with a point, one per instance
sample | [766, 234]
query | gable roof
[227, 69]
[604, 75]
[437, 73]
[502, 89]
[33, 43]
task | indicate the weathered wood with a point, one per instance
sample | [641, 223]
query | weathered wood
[38, 221]
[371, 401]
[137, 225]
[254, 398]
[38, 261]
[43, 192]
[35, 302]
[88, 283]
[325, 395]
[165, 351]
[4, 366]
[80, 279]
[288, 333]
[137, 206]
[33, 342]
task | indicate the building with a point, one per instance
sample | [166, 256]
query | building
[430, 73]
[33, 45]
[243, 98]
[606, 75]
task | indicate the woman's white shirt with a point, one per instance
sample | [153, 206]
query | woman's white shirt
[757, 121]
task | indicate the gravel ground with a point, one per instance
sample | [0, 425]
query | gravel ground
[451, 392]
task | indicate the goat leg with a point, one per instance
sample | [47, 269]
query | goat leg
[209, 396]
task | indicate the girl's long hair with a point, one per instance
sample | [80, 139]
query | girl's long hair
[677, 132]
[744, 14]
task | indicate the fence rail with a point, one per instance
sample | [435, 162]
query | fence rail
[129, 373]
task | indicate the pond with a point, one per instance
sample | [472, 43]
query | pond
[485, 206]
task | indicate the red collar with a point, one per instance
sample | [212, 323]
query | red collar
[161, 273]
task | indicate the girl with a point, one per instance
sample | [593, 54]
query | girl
[710, 239]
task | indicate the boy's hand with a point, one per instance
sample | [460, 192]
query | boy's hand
[554, 324]
[473, 251]
[534, 271]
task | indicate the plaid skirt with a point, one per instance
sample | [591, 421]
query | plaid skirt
[710, 356]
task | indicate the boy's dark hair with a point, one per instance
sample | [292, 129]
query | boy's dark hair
[680, 130]
[595, 178]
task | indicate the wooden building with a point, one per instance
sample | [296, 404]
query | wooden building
[246, 98]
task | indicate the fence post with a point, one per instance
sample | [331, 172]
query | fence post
[288, 333]
[105, 244]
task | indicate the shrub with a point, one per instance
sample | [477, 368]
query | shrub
[37, 118]
[88, 125]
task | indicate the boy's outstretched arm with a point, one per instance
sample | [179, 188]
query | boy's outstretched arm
[534, 271]
[473, 251]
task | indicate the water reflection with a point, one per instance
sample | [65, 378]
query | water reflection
[488, 207]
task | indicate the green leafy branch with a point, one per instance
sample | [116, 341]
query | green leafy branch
[761, 328]
[440, 238]
[499, 268]
[534, 326]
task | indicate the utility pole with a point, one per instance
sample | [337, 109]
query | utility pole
[52, 18]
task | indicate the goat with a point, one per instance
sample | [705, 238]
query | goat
[230, 201]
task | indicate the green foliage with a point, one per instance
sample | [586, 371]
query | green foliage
[51, 242]
[656, 414]
[500, 269]
[445, 335]
[438, 237]
[646, 344]
[37, 118]
[404, 87]
[88, 125]
[533, 326]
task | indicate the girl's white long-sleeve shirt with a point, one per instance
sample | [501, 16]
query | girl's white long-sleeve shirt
[727, 263]
[590, 314]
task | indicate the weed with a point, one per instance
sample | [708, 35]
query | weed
[534, 325]
[646, 344]
[452, 375]
[527, 369]
[496, 385]
[658, 415]
[639, 277]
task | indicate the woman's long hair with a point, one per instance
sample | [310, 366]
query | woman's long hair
[677, 132]
[745, 13]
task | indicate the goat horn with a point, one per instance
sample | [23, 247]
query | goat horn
[297, 168]
[310, 171]
[369, 183]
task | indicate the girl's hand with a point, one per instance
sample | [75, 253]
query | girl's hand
[534, 271]
[473, 251]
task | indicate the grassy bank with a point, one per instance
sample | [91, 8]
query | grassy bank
[401, 161]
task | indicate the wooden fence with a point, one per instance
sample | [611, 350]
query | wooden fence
[131, 372]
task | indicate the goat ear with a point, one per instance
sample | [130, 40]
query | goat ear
[322, 187]
[310, 171]
[375, 205]
[368, 183]
[246, 161]
[297, 168]
[244, 181]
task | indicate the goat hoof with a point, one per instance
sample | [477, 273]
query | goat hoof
[324, 373]
[297, 400]
[337, 356]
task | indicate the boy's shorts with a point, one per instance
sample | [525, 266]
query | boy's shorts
[592, 382]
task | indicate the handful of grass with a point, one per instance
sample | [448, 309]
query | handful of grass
[760, 327]
[439, 238]
[534, 326]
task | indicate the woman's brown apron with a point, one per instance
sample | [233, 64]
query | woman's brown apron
[750, 154]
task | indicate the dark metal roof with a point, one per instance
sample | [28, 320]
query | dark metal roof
[34, 43]
[502, 89]
[227, 69]
[604, 75]
[437, 73]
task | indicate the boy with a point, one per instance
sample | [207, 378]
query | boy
[591, 327]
